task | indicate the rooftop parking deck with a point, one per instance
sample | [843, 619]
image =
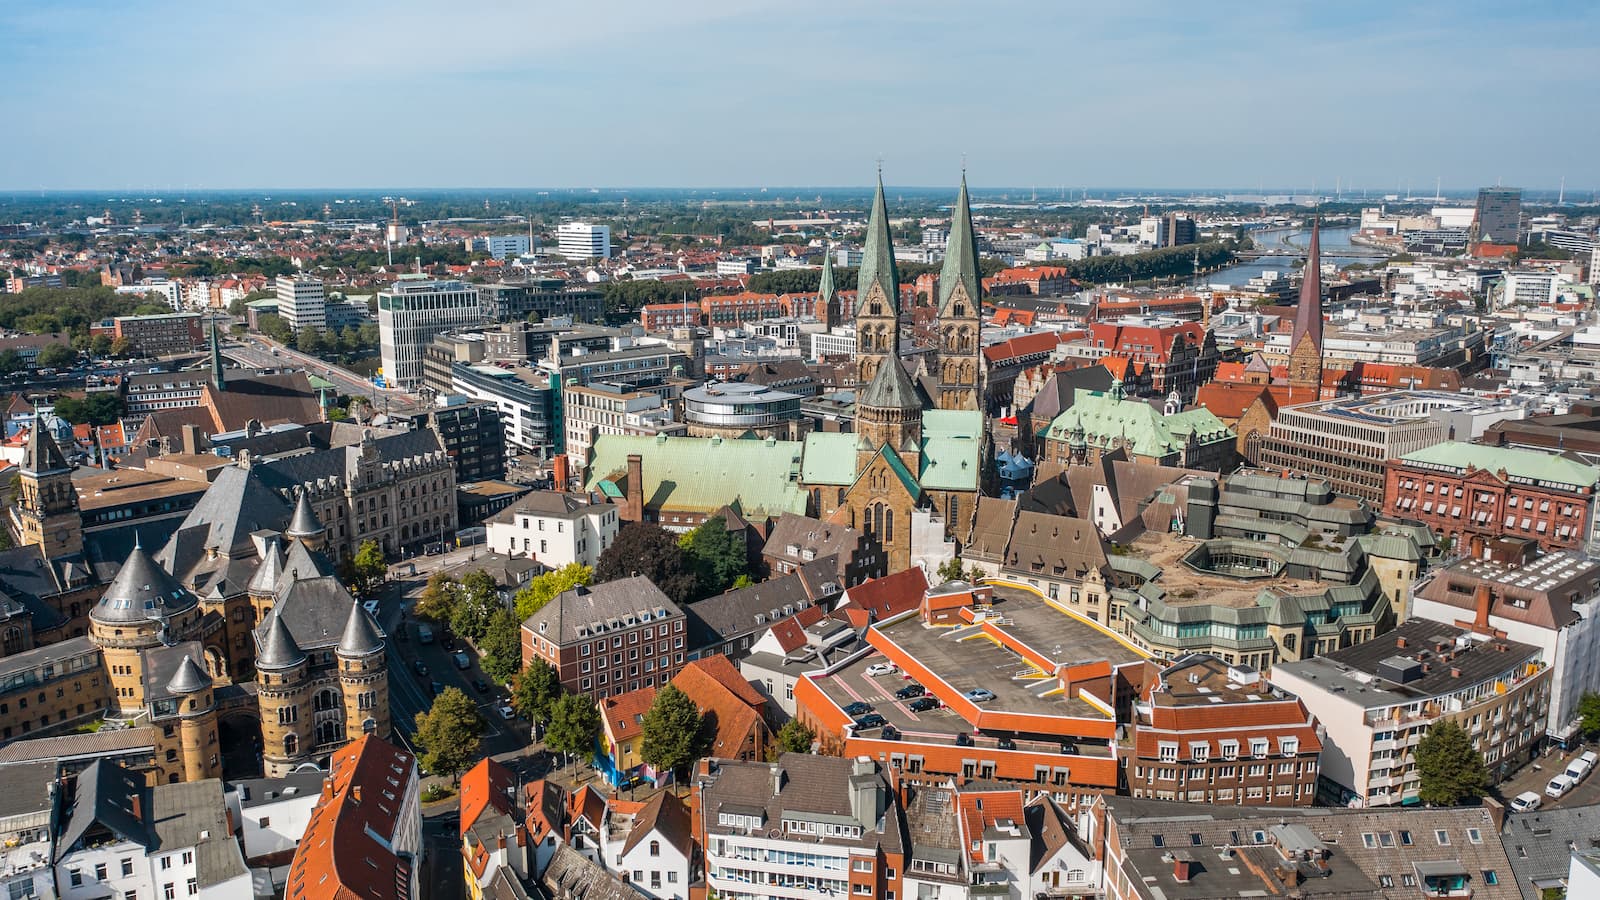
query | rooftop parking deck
[1185, 585]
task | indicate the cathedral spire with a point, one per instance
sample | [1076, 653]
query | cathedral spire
[44, 454]
[827, 308]
[960, 255]
[877, 256]
[1308, 315]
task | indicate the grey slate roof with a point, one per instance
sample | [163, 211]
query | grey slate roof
[106, 796]
[188, 679]
[43, 454]
[26, 788]
[585, 608]
[142, 591]
[1538, 842]
[162, 664]
[360, 634]
[891, 388]
[237, 504]
[315, 611]
[305, 522]
[278, 647]
[289, 472]
[748, 610]
[569, 874]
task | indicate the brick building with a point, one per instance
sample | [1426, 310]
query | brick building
[608, 639]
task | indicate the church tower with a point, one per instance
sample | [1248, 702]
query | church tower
[877, 296]
[47, 505]
[960, 306]
[827, 308]
[1305, 346]
[218, 380]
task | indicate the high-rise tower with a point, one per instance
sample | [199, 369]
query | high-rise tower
[47, 505]
[960, 306]
[1305, 345]
[877, 296]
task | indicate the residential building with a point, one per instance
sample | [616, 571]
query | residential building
[272, 814]
[1552, 852]
[118, 837]
[302, 302]
[729, 623]
[1161, 850]
[555, 528]
[805, 826]
[1498, 218]
[795, 541]
[411, 313]
[1459, 490]
[365, 836]
[1211, 733]
[474, 438]
[735, 720]
[494, 837]
[581, 240]
[608, 639]
[1549, 600]
[27, 810]
[1378, 699]
[161, 334]
[611, 407]
[652, 849]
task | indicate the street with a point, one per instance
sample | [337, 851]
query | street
[255, 351]
[1537, 774]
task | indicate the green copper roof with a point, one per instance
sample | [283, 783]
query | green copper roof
[705, 474]
[901, 472]
[825, 288]
[952, 423]
[877, 256]
[1105, 417]
[1530, 465]
[952, 449]
[891, 388]
[829, 458]
[960, 255]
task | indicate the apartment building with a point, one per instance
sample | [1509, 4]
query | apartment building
[608, 639]
[1459, 490]
[611, 407]
[474, 437]
[581, 240]
[365, 837]
[411, 313]
[804, 826]
[1211, 733]
[302, 301]
[160, 335]
[1378, 699]
[51, 689]
[555, 528]
[27, 807]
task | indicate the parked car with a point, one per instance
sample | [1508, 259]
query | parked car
[1580, 768]
[1559, 786]
[421, 667]
[1527, 801]
[911, 690]
[1007, 744]
[506, 712]
[963, 740]
[437, 688]
[979, 695]
[481, 686]
[883, 668]
[889, 733]
[923, 704]
[870, 720]
[858, 708]
[462, 661]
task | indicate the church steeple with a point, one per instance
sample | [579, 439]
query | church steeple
[1305, 343]
[960, 308]
[47, 503]
[827, 308]
[877, 295]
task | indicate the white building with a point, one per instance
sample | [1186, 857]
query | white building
[608, 407]
[841, 341]
[500, 246]
[302, 302]
[272, 813]
[1536, 288]
[651, 849]
[580, 240]
[555, 528]
[25, 811]
[411, 313]
[117, 838]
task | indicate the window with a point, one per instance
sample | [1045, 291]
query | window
[75, 877]
[127, 866]
[1258, 746]
[1369, 840]
[188, 857]
[100, 872]
[1385, 881]
[1474, 835]
[1443, 837]
[1405, 838]
[1169, 751]
[861, 865]
[1490, 877]
[655, 848]
[169, 891]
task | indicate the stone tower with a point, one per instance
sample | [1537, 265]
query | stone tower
[305, 527]
[363, 676]
[283, 692]
[197, 722]
[960, 307]
[143, 608]
[889, 414]
[47, 506]
[1305, 346]
[827, 308]
[877, 311]
[218, 380]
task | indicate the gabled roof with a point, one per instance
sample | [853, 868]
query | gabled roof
[486, 786]
[112, 797]
[666, 816]
[44, 455]
[727, 700]
[623, 714]
[879, 598]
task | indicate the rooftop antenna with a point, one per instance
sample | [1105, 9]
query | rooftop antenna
[1437, 194]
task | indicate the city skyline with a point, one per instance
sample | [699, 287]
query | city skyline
[1368, 97]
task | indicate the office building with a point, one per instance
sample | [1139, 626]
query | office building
[555, 528]
[160, 335]
[1378, 700]
[735, 409]
[607, 407]
[500, 246]
[411, 313]
[580, 240]
[474, 439]
[540, 298]
[524, 397]
[1499, 215]
[302, 302]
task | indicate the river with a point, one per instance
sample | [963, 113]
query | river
[1333, 241]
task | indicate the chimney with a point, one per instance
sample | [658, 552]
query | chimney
[1497, 812]
[137, 807]
[1182, 869]
[633, 510]
[355, 793]
[1481, 602]
[1400, 642]
[1476, 547]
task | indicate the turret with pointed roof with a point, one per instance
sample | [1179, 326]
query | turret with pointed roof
[360, 636]
[47, 503]
[877, 309]
[188, 679]
[1305, 344]
[278, 647]
[305, 526]
[960, 306]
[142, 593]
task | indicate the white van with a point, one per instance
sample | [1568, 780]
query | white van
[1559, 786]
[1580, 768]
[1527, 801]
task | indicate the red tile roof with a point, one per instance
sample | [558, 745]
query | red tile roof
[344, 854]
[732, 703]
[484, 787]
[623, 713]
[880, 598]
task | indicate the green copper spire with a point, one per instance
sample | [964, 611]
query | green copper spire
[217, 381]
[960, 256]
[826, 290]
[877, 256]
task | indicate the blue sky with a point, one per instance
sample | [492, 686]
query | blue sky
[128, 95]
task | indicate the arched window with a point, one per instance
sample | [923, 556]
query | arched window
[655, 848]
[888, 524]
[12, 641]
[325, 700]
[291, 745]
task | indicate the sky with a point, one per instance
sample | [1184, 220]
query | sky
[130, 95]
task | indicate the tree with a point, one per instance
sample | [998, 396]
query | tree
[368, 568]
[476, 602]
[574, 725]
[56, 356]
[438, 597]
[951, 570]
[671, 731]
[121, 347]
[795, 737]
[100, 345]
[1451, 771]
[649, 550]
[308, 340]
[717, 555]
[501, 646]
[536, 692]
[449, 733]
[98, 408]
[11, 361]
[1589, 715]
[547, 587]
